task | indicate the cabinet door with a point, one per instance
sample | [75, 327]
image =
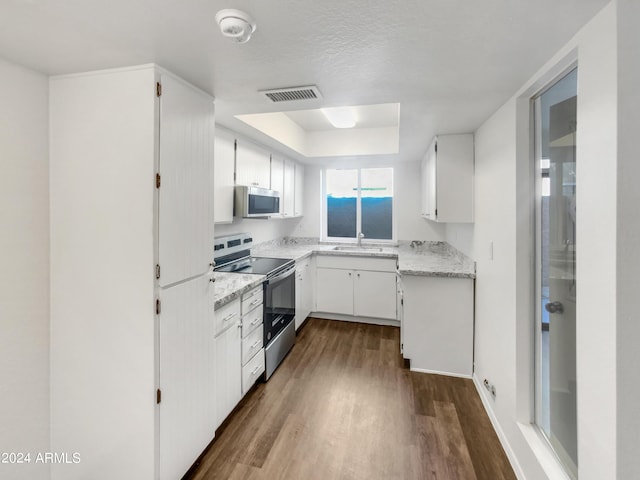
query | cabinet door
[185, 196]
[374, 294]
[228, 371]
[187, 378]
[288, 196]
[335, 291]
[438, 324]
[303, 286]
[429, 183]
[277, 177]
[224, 168]
[455, 178]
[299, 191]
[253, 165]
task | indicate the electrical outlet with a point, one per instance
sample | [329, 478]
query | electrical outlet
[490, 387]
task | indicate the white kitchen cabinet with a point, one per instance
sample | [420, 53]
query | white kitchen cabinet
[277, 178]
[185, 194]
[438, 324]
[288, 194]
[253, 164]
[187, 376]
[131, 182]
[253, 362]
[228, 361]
[305, 288]
[299, 191]
[224, 167]
[252, 371]
[374, 294]
[448, 179]
[356, 286]
[335, 290]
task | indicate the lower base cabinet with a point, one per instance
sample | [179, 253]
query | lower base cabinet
[335, 291]
[253, 362]
[437, 324]
[357, 286]
[228, 360]
[305, 289]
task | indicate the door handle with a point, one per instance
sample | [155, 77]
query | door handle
[554, 307]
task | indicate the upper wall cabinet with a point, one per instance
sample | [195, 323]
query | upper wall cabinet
[299, 191]
[224, 168]
[253, 165]
[447, 179]
[288, 195]
[277, 177]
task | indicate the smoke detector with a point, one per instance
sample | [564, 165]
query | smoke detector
[235, 25]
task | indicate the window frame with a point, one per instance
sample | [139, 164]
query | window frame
[324, 237]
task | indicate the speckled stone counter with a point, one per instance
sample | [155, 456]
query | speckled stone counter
[414, 258]
[229, 286]
[436, 259]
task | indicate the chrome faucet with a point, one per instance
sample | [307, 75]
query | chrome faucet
[360, 237]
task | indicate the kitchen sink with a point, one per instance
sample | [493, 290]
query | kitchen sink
[358, 249]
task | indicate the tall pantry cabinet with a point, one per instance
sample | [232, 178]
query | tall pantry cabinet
[131, 177]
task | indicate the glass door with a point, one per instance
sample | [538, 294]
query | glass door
[556, 392]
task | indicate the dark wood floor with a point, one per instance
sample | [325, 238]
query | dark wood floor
[342, 406]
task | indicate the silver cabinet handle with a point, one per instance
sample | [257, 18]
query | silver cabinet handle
[229, 317]
[256, 320]
[255, 344]
[256, 370]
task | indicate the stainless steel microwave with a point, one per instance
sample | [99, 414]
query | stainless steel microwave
[256, 202]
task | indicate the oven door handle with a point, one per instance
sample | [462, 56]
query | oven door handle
[278, 278]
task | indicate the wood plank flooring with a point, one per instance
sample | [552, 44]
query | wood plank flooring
[343, 406]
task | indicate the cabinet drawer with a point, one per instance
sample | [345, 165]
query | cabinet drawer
[251, 344]
[226, 315]
[347, 262]
[251, 300]
[252, 371]
[251, 321]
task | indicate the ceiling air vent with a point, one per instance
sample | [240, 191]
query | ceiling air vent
[292, 94]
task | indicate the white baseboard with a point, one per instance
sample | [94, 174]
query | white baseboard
[351, 318]
[435, 372]
[487, 403]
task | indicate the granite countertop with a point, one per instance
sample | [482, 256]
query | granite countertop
[437, 259]
[414, 258]
[229, 286]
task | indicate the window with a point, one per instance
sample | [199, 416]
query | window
[358, 200]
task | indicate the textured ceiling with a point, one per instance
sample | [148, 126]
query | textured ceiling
[449, 63]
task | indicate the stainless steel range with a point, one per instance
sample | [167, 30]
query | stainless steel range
[232, 253]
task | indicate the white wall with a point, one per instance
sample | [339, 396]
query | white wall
[409, 224]
[24, 262]
[503, 301]
[261, 230]
[461, 236]
[628, 263]
[407, 196]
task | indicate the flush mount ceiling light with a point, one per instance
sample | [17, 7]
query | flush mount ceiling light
[235, 25]
[340, 117]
